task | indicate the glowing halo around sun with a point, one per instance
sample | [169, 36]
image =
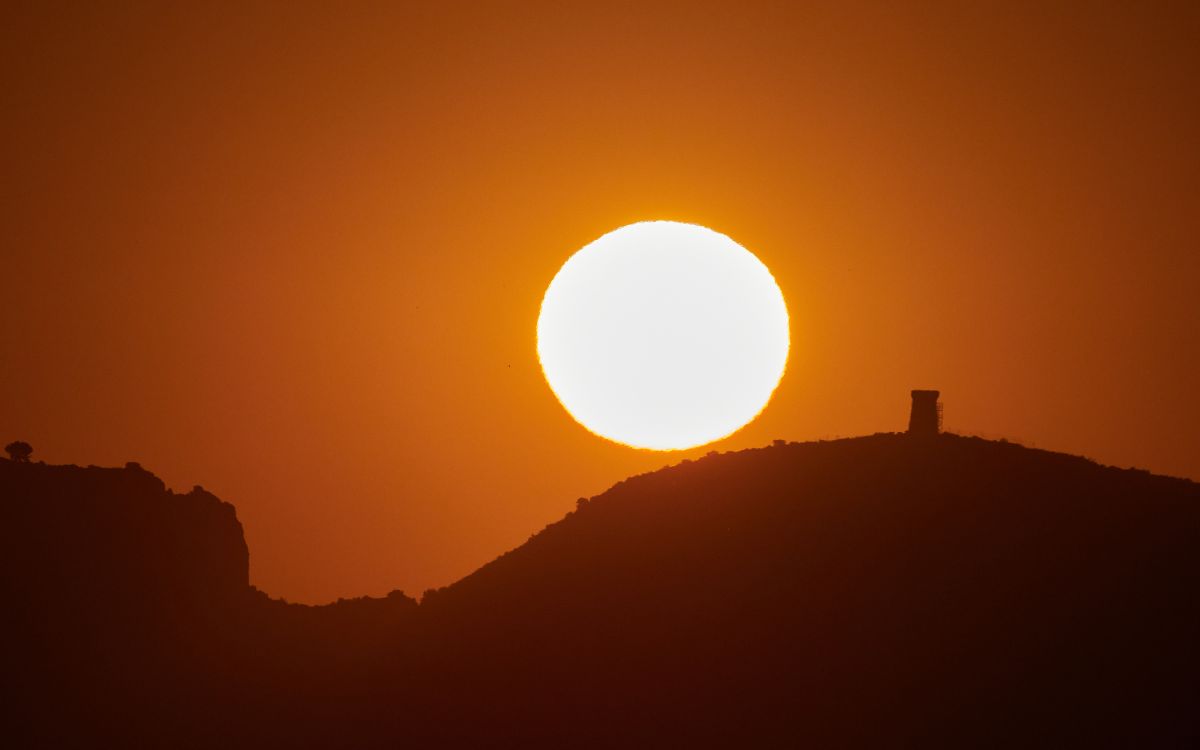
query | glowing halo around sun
[663, 335]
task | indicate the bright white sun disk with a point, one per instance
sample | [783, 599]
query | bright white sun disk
[663, 335]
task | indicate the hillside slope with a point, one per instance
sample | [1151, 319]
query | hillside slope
[860, 591]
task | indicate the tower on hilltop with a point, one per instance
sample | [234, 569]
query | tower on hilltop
[926, 415]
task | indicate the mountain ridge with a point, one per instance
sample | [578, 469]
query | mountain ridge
[849, 592]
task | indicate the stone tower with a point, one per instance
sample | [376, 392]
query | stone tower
[926, 416]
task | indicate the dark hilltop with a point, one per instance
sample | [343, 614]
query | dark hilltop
[889, 590]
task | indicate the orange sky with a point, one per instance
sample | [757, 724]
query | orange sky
[296, 255]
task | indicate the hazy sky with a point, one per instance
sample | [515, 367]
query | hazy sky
[295, 254]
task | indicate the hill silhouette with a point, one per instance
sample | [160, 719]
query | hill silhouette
[883, 590]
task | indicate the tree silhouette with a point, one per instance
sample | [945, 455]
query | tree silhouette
[19, 450]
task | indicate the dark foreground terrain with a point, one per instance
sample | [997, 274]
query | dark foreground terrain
[882, 591]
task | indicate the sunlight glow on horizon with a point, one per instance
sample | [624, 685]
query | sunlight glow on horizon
[663, 335]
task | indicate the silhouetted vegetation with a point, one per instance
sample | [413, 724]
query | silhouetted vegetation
[19, 450]
[876, 592]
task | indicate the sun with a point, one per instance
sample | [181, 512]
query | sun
[663, 335]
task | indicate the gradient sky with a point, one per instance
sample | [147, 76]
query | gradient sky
[295, 253]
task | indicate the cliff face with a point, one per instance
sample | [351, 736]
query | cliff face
[117, 589]
[131, 621]
[118, 536]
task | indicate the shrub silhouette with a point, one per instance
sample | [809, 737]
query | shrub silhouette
[19, 450]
